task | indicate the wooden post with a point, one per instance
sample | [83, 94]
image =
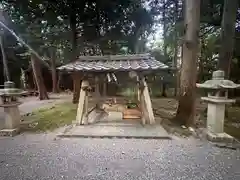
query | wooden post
[85, 110]
[104, 88]
[138, 94]
[82, 103]
[142, 105]
[146, 104]
[76, 86]
[138, 89]
[97, 92]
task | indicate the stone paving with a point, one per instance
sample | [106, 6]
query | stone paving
[118, 130]
[113, 126]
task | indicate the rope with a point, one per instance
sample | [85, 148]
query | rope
[23, 42]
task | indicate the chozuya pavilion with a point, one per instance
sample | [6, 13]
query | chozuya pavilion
[96, 71]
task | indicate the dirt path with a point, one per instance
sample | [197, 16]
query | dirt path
[31, 104]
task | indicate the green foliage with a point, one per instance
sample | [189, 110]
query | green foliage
[107, 27]
[56, 28]
[101, 26]
[211, 17]
[13, 51]
[130, 93]
[209, 53]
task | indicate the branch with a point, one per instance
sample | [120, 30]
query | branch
[206, 32]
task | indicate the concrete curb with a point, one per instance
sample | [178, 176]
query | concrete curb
[112, 136]
[65, 130]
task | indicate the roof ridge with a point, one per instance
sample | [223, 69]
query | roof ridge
[114, 57]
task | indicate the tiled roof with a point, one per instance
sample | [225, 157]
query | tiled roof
[114, 62]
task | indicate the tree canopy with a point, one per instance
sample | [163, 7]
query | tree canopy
[71, 28]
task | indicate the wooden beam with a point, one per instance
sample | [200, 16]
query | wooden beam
[97, 92]
[146, 104]
[82, 103]
[85, 111]
[138, 88]
[97, 95]
[104, 88]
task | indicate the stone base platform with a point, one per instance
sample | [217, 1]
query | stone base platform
[220, 137]
[9, 132]
[116, 130]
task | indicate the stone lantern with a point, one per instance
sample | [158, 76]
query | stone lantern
[9, 97]
[217, 99]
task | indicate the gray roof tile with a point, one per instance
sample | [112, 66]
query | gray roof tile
[114, 62]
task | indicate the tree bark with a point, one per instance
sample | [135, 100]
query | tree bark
[200, 76]
[164, 44]
[164, 30]
[42, 92]
[54, 72]
[4, 59]
[73, 26]
[227, 35]
[175, 48]
[59, 81]
[186, 108]
[34, 84]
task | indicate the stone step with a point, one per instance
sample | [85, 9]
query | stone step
[132, 123]
[98, 131]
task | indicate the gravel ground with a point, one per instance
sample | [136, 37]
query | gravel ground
[41, 156]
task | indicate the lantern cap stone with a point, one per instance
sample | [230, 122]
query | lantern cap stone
[218, 82]
[9, 90]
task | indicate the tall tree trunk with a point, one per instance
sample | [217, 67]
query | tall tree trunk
[164, 44]
[175, 48]
[137, 47]
[4, 59]
[53, 70]
[59, 81]
[186, 108]
[3, 19]
[164, 30]
[227, 35]
[42, 92]
[200, 77]
[74, 37]
[34, 84]
[73, 25]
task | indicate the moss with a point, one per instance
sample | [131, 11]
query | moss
[48, 119]
[174, 128]
[233, 131]
[233, 117]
